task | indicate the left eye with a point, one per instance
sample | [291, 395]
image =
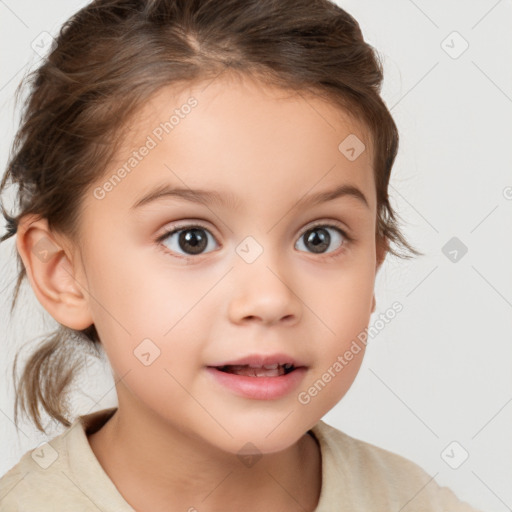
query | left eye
[318, 238]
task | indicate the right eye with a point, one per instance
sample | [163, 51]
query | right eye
[191, 239]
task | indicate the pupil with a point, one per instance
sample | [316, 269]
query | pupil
[195, 239]
[319, 238]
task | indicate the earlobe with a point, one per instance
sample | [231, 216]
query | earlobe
[51, 273]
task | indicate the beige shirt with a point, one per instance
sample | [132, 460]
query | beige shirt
[64, 475]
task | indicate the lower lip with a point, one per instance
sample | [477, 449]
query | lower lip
[259, 388]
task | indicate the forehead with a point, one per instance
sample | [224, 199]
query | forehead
[244, 137]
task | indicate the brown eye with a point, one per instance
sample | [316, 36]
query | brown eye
[191, 240]
[319, 238]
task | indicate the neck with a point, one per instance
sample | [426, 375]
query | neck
[164, 469]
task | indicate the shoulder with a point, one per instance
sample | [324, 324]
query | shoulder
[61, 470]
[39, 480]
[363, 456]
[376, 477]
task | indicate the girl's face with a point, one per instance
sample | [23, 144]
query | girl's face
[246, 274]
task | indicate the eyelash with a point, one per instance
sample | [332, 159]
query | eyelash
[347, 238]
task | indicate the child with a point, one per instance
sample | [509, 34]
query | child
[252, 128]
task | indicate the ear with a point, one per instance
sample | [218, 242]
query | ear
[382, 246]
[51, 273]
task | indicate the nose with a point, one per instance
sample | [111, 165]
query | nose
[263, 291]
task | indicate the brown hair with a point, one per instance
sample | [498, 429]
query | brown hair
[110, 57]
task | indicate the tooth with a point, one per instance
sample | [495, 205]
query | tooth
[256, 371]
[261, 372]
[270, 366]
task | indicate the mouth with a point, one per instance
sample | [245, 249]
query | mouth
[257, 381]
[247, 370]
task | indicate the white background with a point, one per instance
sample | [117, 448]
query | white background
[441, 370]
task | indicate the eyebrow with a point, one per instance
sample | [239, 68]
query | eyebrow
[208, 197]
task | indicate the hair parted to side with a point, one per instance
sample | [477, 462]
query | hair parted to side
[111, 57]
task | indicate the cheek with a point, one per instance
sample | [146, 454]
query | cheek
[146, 314]
[342, 298]
[343, 307]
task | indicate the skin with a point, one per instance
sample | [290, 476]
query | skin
[180, 429]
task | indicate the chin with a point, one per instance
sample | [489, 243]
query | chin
[257, 439]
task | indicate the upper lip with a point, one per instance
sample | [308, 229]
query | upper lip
[262, 360]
